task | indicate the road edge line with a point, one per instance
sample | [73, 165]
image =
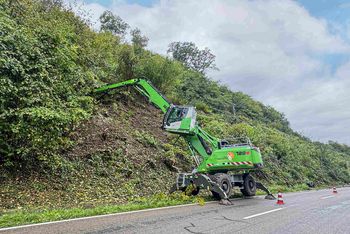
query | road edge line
[326, 197]
[266, 212]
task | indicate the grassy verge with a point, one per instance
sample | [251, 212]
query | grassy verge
[274, 189]
[284, 189]
[15, 218]
[30, 216]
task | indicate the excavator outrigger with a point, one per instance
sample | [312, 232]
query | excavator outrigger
[214, 157]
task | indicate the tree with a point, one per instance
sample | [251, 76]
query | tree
[113, 23]
[49, 4]
[137, 38]
[192, 57]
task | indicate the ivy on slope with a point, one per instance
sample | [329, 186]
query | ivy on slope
[42, 86]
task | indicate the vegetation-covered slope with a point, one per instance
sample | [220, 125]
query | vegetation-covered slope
[61, 145]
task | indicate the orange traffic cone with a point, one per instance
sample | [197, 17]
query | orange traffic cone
[335, 190]
[280, 199]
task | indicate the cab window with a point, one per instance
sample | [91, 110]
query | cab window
[177, 114]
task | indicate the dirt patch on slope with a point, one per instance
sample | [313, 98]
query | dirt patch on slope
[115, 125]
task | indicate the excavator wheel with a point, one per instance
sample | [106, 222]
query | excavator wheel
[224, 182]
[195, 192]
[191, 190]
[249, 186]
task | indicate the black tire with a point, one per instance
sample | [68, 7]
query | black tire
[224, 182]
[193, 192]
[249, 186]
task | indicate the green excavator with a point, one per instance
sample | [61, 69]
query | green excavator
[221, 164]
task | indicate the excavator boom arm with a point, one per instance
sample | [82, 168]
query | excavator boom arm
[145, 88]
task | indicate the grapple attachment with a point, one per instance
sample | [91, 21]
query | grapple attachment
[201, 181]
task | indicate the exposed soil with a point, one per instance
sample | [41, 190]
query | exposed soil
[114, 126]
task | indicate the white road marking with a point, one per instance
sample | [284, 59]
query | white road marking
[266, 212]
[327, 197]
[101, 216]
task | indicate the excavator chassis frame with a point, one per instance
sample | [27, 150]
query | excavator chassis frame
[204, 182]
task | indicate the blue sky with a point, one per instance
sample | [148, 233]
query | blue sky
[334, 11]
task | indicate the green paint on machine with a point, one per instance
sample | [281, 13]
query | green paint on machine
[212, 155]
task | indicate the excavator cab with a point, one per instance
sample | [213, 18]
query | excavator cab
[180, 119]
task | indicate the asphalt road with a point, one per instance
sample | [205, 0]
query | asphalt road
[304, 212]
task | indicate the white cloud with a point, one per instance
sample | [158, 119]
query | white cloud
[271, 50]
[320, 108]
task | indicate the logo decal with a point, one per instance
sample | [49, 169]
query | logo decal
[230, 155]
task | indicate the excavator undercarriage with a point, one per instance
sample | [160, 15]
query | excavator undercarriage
[220, 185]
